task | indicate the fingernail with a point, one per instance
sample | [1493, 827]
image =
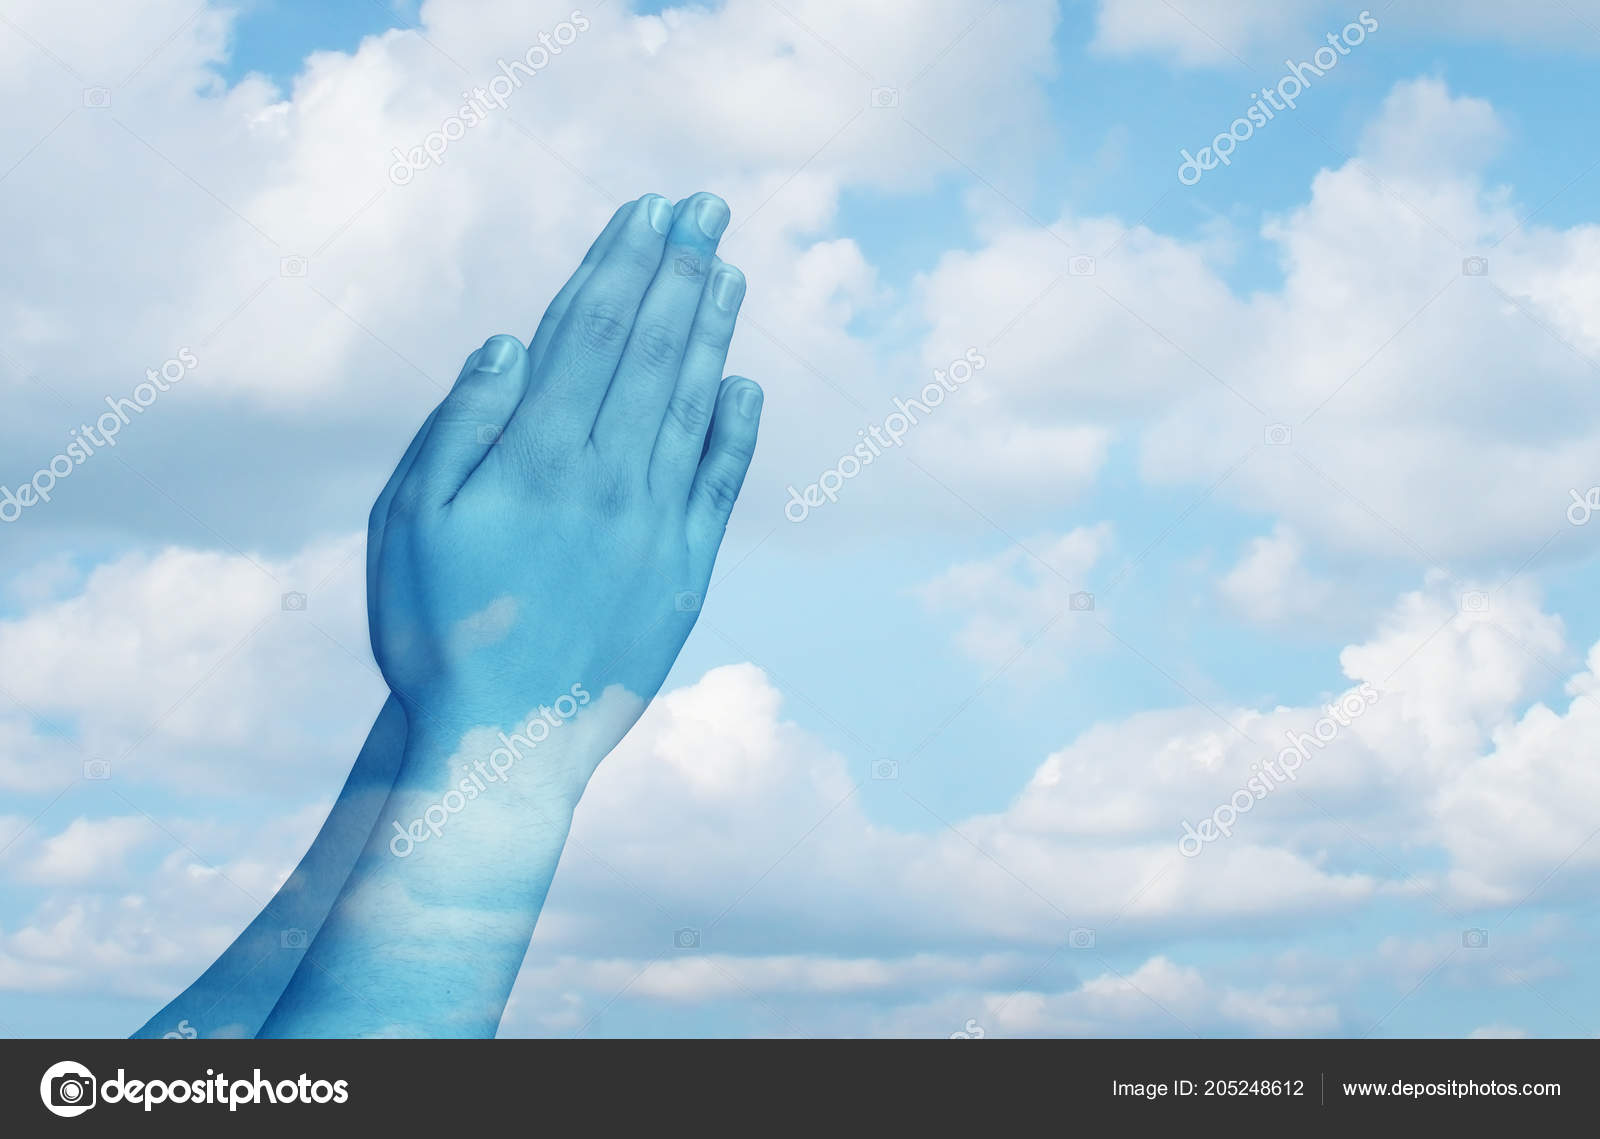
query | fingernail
[712, 216]
[749, 401]
[728, 288]
[497, 354]
[660, 215]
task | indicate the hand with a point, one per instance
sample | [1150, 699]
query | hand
[555, 521]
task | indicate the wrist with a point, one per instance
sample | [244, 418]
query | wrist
[558, 740]
[482, 784]
[499, 781]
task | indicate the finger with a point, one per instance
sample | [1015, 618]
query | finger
[729, 448]
[379, 518]
[467, 423]
[563, 300]
[630, 415]
[577, 367]
[682, 437]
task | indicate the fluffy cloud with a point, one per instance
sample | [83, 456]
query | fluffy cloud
[327, 306]
[1377, 403]
[1193, 32]
[1089, 843]
[190, 668]
[88, 849]
[1020, 596]
[1406, 388]
[1271, 583]
[1411, 406]
[718, 816]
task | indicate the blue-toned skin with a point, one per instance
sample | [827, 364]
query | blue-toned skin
[233, 996]
[577, 542]
[539, 564]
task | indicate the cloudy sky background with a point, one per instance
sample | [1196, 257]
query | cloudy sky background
[1267, 421]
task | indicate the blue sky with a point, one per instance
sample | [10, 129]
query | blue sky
[1114, 444]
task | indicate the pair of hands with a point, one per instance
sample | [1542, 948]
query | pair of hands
[555, 520]
[551, 529]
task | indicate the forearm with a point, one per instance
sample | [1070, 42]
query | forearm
[429, 932]
[233, 997]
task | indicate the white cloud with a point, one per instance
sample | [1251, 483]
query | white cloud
[333, 369]
[1157, 998]
[1028, 593]
[1407, 386]
[1192, 32]
[181, 667]
[90, 850]
[1270, 583]
[185, 666]
[718, 815]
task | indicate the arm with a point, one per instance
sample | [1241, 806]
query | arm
[532, 593]
[235, 994]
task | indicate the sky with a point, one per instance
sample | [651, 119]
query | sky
[1299, 446]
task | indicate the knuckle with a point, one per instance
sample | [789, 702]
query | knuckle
[658, 345]
[688, 412]
[712, 335]
[466, 406]
[602, 326]
[722, 488]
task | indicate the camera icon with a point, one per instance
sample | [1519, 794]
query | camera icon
[1278, 435]
[686, 938]
[292, 267]
[1080, 939]
[294, 603]
[1081, 266]
[686, 265]
[883, 98]
[1081, 602]
[489, 434]
[97, 97]
[1475, 267]
[1475, 601]
[96, 769]
[1474, 939]
[885, 769]
[68, 1089]
[686, 602]
[293, 938]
